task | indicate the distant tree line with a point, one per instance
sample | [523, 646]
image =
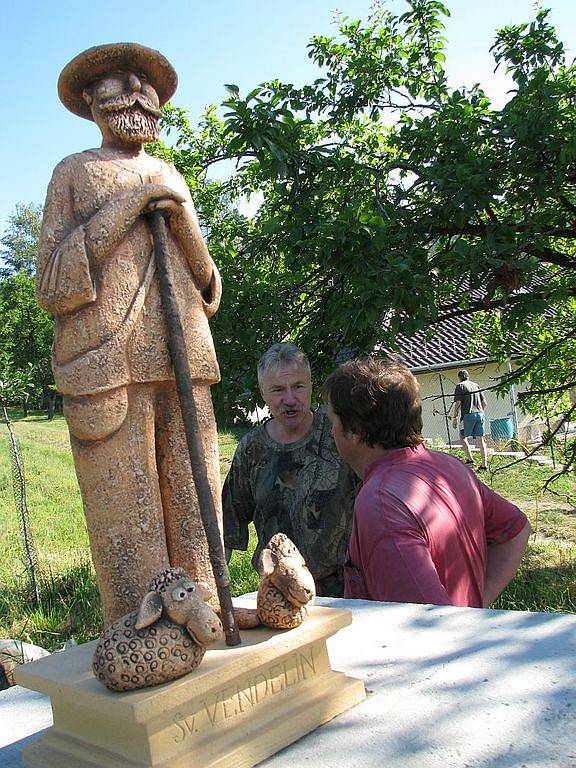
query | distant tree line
[26, 331]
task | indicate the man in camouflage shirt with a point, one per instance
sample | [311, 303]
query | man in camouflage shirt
[287, 476]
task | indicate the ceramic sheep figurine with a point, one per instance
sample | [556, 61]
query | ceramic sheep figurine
[286, 585]
[165, 639]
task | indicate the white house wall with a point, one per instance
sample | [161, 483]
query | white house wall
[434, 407]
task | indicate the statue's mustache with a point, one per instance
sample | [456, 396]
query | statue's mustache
[128, 100]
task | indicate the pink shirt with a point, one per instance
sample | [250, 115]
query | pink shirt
[422, 522]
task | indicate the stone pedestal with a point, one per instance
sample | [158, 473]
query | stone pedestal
[241, 705]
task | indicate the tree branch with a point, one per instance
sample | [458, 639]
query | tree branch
[523, 369]
[547, 441]
[483, 306]
[547, 391]
[549, 256]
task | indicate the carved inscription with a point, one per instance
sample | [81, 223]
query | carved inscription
[237, 698]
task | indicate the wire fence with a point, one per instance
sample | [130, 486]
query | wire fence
[19, 489]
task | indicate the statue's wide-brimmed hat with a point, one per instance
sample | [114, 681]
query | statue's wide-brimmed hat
[102, 60]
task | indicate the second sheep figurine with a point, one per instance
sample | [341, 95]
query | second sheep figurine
[286, 585]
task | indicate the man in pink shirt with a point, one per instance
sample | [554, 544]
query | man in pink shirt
[425, 529]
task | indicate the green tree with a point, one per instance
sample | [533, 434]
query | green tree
[19, 244]
[253, 313]
[26, 331]
[15, 384]
[392, 200]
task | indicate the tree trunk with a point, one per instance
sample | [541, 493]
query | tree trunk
[51, 403]
[25, 404]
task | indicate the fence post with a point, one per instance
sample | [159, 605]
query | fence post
[512, 394]
[445, 412]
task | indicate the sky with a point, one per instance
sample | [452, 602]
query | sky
[209, 43]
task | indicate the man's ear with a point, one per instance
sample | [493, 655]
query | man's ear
[355, 438]
[87, 96]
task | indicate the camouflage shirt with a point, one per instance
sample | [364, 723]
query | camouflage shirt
[303, 489]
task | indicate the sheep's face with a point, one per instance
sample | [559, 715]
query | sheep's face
[290, 575]
[294, 580]
[184, 603]
[179, 597]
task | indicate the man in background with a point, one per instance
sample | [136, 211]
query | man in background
[469, 404]
[425, 529]
[286, 475]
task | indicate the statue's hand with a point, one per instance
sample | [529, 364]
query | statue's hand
[159, 196]
[113, 221]
[168, 208]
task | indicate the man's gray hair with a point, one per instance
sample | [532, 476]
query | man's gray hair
[463, 375]
[282, 355]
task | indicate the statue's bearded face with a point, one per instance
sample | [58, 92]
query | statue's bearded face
[127, 105]
[132, 117]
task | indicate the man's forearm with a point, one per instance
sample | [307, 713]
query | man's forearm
[503, 563]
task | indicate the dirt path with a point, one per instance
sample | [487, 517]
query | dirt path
[535, 506]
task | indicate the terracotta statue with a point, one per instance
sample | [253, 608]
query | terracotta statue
[96, 273]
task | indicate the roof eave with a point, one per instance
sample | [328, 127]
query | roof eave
[452, 364]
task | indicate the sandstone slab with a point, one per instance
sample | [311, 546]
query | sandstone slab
[240, 706]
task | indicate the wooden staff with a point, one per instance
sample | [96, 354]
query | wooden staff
[179, 357]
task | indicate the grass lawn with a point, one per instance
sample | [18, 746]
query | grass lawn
[70, 605]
